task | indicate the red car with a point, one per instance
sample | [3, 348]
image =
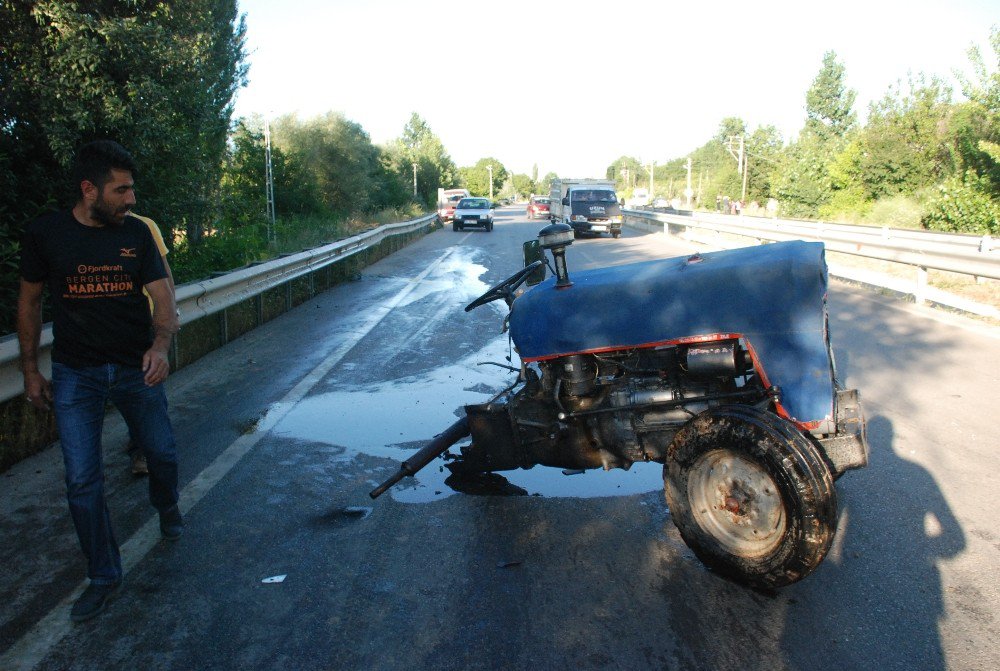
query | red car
[538, 207]
[447, 210]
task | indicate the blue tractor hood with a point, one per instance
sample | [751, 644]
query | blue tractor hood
[773, 296]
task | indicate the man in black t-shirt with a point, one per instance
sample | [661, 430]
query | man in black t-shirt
[96, 259]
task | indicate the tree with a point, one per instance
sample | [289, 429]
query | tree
[763, 148]
[970, 200]
[731, 127]
[712, 159]
[344, 165]
[477, 178]
[978, 128]
[419, 145]
[522, 186]
[829, 103]
[626, 173]
[544, 187]
[243, 198]
[904, 146]
[159, 77]
[804, 183]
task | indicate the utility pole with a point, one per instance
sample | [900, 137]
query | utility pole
[652, 169]
[490, 168]
[269, 182]
[688, 192]
[741, 160]
[743, 198]
[414, 180]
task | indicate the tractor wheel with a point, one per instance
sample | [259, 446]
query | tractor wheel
[750, 495]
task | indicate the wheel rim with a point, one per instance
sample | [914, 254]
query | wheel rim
[736, 501]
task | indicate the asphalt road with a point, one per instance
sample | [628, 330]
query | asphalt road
[287, 564]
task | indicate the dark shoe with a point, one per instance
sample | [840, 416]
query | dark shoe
[138, 459]
[171, 523]
[93, 601]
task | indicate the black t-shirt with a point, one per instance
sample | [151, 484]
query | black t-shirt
[95, 277]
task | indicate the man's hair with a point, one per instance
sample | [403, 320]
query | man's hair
[95, 160]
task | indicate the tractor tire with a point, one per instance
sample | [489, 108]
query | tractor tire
[750, 495]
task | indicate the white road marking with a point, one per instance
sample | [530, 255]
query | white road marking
[32, 648]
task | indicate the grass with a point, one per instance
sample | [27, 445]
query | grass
[227, 250]
[294, 234]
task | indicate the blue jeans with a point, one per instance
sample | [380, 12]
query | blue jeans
[80, 398]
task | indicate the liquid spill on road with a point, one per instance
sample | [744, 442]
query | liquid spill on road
[392, 419]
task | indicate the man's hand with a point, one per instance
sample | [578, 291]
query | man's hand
[37, 390]
[156, 366]
[155, 363]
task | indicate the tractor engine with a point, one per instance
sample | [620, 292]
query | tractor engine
[607, 410]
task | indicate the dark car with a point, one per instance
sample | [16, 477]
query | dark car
[473, 212]
[538, 207]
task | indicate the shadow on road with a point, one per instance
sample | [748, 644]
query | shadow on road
[879, 609]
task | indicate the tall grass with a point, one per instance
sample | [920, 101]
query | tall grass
[227, 249]
[901, 211]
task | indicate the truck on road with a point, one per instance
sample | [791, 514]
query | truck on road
[447, 200]
[590, 206]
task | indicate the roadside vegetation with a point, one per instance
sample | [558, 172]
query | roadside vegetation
[161, 78]
[920, 160]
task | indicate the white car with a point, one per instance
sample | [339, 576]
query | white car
[473, 212]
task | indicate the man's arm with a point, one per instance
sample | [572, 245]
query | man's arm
[29, 331]
[170, 276]
[155, 362]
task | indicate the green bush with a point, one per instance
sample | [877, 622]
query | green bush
[217, 253]
[964, 205]
[229, 248]
[897, 211]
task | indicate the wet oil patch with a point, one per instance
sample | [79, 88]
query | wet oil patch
[394, 418]
[436, 482]
[483, 484]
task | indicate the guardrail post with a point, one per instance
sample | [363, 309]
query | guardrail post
[920, 293]
[985, 247]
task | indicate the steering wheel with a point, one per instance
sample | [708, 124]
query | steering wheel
[506, 288]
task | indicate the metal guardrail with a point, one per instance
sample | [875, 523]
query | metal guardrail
[983, 243]
[963, 254]
[201, 299]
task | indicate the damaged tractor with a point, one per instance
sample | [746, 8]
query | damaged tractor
[717, 365]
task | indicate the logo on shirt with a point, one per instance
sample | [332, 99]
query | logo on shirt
[104, 281]
[128, 252]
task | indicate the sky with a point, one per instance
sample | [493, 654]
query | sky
[570, 86]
